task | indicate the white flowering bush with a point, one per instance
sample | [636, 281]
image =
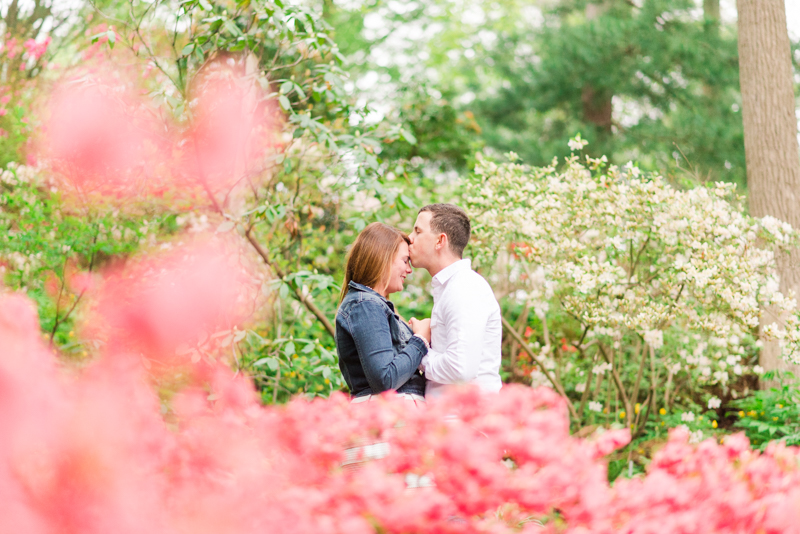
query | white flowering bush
[656, 292]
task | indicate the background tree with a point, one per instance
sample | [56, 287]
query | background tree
[653, 81]
[770, 130]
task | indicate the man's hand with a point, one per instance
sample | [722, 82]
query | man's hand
[421, 328]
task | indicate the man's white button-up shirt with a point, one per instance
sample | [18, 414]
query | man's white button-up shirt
[466, 331]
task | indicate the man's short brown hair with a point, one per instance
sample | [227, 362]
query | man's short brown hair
[452, 221]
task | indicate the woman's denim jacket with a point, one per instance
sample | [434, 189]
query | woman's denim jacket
[376, 349]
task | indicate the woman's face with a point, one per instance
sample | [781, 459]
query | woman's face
[399, 270]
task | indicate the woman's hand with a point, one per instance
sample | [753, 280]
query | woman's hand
[421, 327]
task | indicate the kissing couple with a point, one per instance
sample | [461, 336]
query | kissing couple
[459, 344]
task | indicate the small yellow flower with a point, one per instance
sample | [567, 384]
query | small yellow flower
[622, 415]
[637, 408]
[752, 413]
[71, 333]
[780, 405]
[327, 381]
[774, 418]
[605, 410]
[662, 423]
[714, 424]
[662, 411]
[741, 413]
[633, 426]
[700, 418]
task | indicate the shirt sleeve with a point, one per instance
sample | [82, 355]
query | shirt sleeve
[465, 320]
[384, 368]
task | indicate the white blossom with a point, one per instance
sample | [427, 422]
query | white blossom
[595, 406]
[623, 251]
[602, 368]
[654, 338]
[576, 143]
[714, 403]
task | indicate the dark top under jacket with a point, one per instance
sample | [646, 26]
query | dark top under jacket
[377, 351]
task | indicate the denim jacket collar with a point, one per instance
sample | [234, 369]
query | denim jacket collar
[365, 289]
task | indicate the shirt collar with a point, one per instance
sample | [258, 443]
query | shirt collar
[445, 274]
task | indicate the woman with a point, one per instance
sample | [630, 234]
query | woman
[378, 351]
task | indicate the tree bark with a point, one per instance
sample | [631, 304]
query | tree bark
[770, 134]
[711, 11]
[597, 103]
[712, 16]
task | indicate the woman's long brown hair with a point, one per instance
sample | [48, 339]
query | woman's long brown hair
[370, 258]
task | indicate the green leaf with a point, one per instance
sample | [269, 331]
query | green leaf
[283, 292]
[407, 202]
[233, 28]
[112, 38]
[272, 363]
[289, 350]
[188, 49]
[408, 136]
[285, 104]
[226, 226]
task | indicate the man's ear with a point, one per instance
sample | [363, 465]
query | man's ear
[441, 243]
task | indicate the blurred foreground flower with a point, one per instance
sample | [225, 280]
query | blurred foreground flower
[90, 452]
[104, 139]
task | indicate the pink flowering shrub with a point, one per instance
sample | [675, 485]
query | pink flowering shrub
[90, 452]
[35, 49]
[103, 139]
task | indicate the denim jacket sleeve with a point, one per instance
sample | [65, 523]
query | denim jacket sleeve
[385, 367]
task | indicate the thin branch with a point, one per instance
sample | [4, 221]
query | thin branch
[635, 392]
[625, 400]
[639, 255]
[297, 290]
[510, 329]
[586, 387]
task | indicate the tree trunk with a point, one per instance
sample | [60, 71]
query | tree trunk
[770, 134]
[711, 16]
[711, 11]
[597, 103]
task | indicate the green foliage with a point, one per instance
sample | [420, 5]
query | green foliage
[14, 132]
[45, 242]
[654, 82]
[772, 414]
[284, 367]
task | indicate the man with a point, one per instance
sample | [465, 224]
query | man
[466, 328]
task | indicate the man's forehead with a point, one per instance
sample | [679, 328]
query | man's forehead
[424, 220]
